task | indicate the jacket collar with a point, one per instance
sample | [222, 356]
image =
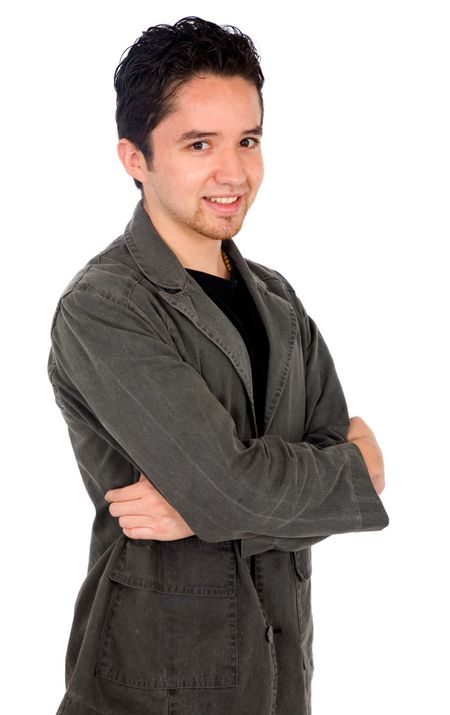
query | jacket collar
[158, 262]
[154, 257]
[160, 265]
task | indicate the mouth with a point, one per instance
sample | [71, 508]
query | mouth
[224, 205]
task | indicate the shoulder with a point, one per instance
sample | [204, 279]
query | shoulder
[108, 278]
[111, 273]
[273, 277]
[277, 283]
[111, 291]
[268, 274]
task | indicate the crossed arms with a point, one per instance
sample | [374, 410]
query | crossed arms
[143, 513]
[118, 377]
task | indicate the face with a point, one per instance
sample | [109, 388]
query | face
[222, 159]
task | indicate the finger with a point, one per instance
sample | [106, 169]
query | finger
[133, 521]
[358, 429]
[140, 533]
[134, 506]
[131, 491]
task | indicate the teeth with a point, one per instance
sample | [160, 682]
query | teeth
[229, 200]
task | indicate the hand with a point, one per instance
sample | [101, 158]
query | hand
[145, 514]
[364, 438]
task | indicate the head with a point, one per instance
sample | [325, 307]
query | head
[165, 57]
[194, 75]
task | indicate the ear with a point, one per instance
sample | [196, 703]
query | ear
[132, 159]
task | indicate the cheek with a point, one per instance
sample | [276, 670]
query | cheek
[257, 174]
[188, 176]
[176, 182]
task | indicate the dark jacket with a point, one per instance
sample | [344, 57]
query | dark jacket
[152, 377]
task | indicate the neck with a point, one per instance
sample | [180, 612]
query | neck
[193, 250]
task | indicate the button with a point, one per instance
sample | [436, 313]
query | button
[269, 634]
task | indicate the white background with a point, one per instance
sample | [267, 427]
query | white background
[354, 211]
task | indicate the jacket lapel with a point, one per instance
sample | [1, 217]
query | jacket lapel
[279, 321]
[161, 266]
[207, 317]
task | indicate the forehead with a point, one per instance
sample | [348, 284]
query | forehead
[215, 99]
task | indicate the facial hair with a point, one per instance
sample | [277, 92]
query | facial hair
[218, 229]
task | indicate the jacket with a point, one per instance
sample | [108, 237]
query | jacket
[150, 376]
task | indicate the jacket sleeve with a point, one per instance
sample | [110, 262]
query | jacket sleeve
[326, 414]
[326, 424]
[162, 415]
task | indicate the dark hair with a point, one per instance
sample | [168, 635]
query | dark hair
[166, 56]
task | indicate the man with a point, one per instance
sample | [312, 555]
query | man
[204, 411]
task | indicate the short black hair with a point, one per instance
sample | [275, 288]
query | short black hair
[166, 56]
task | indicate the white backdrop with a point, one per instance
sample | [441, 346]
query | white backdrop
[353, 210]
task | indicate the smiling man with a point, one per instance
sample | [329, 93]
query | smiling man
[201, 183]
[204, 411]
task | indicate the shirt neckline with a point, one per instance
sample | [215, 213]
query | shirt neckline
[216, 279]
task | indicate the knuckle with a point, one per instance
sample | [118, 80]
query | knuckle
[142, 533]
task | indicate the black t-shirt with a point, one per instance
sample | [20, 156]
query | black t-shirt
[233, 298]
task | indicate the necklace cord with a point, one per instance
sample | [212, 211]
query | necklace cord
[226, 261]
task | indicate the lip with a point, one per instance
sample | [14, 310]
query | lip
[224, 209]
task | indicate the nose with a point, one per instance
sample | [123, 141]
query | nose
[229, 168]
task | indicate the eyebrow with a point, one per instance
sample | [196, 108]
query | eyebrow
[196, 134]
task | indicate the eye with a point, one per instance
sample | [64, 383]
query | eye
[250, 139]
[196, 145]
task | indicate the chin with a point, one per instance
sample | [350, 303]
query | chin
[217, 233]
[228, 233]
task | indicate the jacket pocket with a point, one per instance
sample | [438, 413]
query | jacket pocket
[302, 567]
[302, 563]
[172, 616]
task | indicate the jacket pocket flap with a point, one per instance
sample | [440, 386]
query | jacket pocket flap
[302, 563]
[184, 567]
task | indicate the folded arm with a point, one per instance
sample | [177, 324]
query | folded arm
[143, 513]
[162, 415]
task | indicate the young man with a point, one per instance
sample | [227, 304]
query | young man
[204, 410]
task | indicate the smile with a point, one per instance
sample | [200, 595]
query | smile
[224, 205]
[223, 200]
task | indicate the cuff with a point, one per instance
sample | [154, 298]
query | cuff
[373, 513]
